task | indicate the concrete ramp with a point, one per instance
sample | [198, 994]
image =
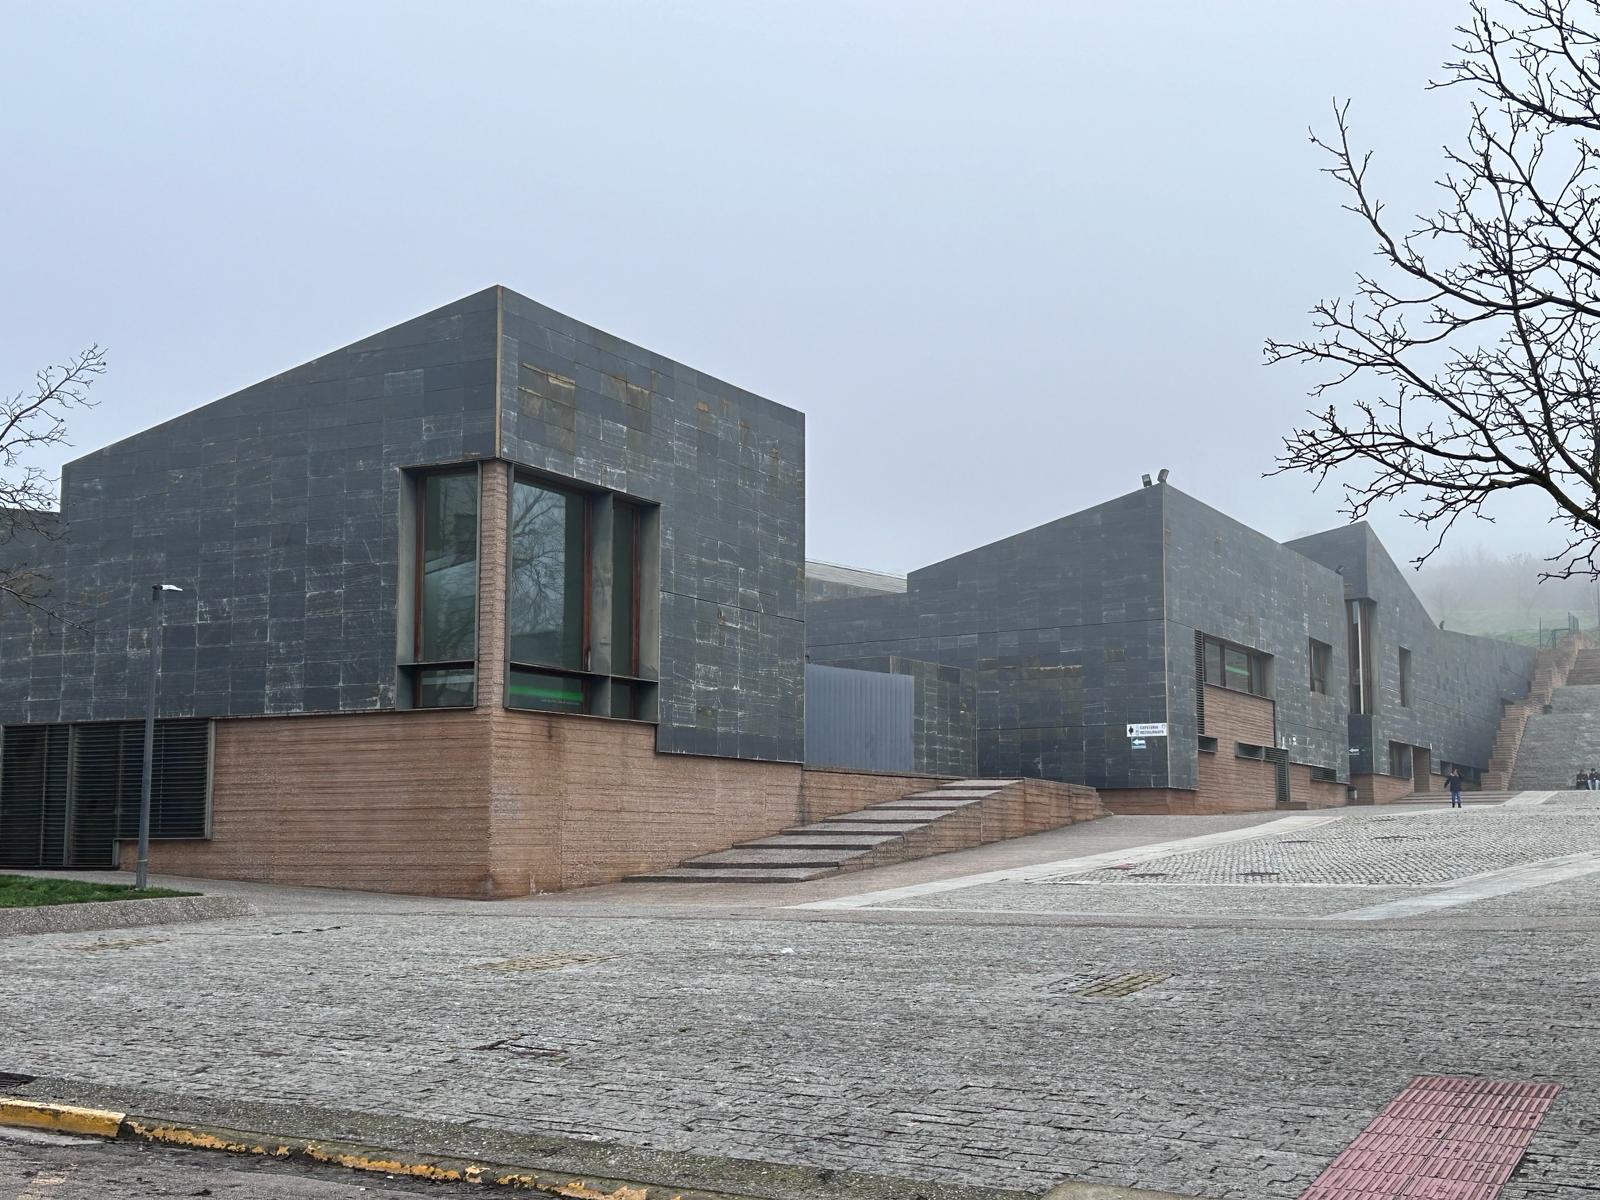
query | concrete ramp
[952, 816]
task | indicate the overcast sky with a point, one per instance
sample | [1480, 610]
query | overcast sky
[1005, 256]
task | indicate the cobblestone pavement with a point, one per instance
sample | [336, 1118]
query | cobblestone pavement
[952, 1051]
[1372, 848]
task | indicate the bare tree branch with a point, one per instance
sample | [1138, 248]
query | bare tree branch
[30, 421]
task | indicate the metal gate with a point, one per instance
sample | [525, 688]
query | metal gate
[859, 719]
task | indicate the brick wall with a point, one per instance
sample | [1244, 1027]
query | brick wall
[485, 803]
[1380, 789]
[1229, 783]
[390, 802]
[1303, 790]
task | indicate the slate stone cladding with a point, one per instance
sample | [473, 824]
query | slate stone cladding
[1226, 580]
[1064, 655]
[1458, 682]
[1085, 624]
[728, 469]
[277, 510]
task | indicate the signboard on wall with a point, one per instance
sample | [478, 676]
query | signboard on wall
[1156, 729]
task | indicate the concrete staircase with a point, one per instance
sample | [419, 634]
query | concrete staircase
[1555, 745]
[1551, 670]
[952, 816]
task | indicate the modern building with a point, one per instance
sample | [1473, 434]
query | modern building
[489, 602]
[494, 602]
[1233, 653]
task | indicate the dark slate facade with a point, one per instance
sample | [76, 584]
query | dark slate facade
[728, 469]
[1459, 684]
[277, 510]
[1083, 625]
[1064, 655]
[1225, 580]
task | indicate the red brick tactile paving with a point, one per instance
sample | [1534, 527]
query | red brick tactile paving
[1443, 1138]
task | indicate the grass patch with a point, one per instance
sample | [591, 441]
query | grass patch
[26, 891]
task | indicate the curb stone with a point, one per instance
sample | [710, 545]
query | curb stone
[110, 1124]
[65, 1118]
[121, 914]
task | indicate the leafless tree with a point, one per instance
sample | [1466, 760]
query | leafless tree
[1468, 353]
[30, 421]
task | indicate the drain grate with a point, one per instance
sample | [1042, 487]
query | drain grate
[1258, 874]
[1151, 875]
[542, 962]
[1110, 987]
[122, 944]
[13, 1079]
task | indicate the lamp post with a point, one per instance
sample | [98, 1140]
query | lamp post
[141, 876]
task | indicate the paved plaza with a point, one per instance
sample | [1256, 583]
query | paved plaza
[1215, 1021]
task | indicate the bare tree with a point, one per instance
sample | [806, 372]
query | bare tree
[1468, 354]
[30, 421]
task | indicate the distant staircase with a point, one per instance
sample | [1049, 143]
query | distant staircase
[1553, 669]
[950, 816]
[1556, 745]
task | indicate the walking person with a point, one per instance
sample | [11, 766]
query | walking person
[1455, 787]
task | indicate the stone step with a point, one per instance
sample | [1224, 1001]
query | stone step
[824, 839]
[733, 875]
[890, 816]
[891, 831]
[849, 828]
[788, 856]
[926, 802]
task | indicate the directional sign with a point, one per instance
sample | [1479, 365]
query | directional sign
[1157, 729]
[1138, 743]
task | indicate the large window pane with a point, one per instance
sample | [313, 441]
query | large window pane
[449, 601]
[1237, 665]
[545, 621]
[445, 689]
[539, 689]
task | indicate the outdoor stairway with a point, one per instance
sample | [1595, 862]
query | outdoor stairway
[1559, 743]
[1556, 666]
[950, 816]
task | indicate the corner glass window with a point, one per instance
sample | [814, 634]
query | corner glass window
[448, 610]
[444, 618]
[545, 620]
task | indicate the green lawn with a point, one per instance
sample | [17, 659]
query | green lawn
[24, 891]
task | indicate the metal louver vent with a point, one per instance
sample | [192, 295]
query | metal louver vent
[33, 796]
[1200, 681]
[68, 793]
[1279, 758]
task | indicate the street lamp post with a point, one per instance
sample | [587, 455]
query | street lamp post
[141, 876]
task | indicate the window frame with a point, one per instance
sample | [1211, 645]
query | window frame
[1320, 663]
[599, 688]
[418, 666]
[1403, 663]
[1258, 673]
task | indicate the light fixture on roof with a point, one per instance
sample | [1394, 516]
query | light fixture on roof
[1161, 476]
[1146, 479]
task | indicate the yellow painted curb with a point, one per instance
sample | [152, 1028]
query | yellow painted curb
[60, 1118]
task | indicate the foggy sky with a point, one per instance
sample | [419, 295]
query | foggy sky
[1005, 256]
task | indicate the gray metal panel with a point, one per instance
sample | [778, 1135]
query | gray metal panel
[859, 719]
